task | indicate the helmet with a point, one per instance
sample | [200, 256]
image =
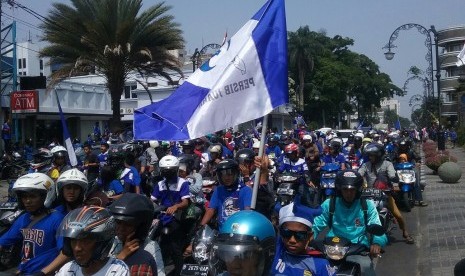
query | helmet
[76, 141]
[256, 144]
[245, 235]
[227, 166]
[59, 151]
[188, 160]
[134, 208]
[91, 222]
[154, 144]
[350, 138]
[273, 139]
[43, 157]
[336, 144]
[374, 149]
[72, 176]
[215, 148]
[349, 179]
[307, 137]
[367, 140]
[245, 156]
[358, 134]
[188, 144]
[291, 148]
[36, 182]
[169, 166]
[403, 145]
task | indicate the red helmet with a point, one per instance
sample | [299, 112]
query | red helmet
[291, 148]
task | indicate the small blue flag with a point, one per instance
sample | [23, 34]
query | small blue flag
[66, 137]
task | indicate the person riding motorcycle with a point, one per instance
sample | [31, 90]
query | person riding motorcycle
[209, 170]
[59, 162]
[273, 150]
[335, 155]
[230, 196]
[377, 168]
[42, 160]
[293, 254]
[133, 214]
[88, 234]
[346, 217]
[172, 192]
[245, 246]
[71, 190]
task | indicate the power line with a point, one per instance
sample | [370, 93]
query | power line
[30, 25]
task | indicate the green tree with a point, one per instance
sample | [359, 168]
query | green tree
[114, 38]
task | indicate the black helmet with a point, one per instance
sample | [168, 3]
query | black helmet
[227, 166]
[187, 144]
[245, 156]
[91, 222]
[336, 144]
[273, 139]
[374, 149]
[349, 179]
[350, 138]
[188, 160]
[403, 145]
[134, 208]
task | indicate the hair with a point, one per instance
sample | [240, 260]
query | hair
[107, 174]
[129, 159]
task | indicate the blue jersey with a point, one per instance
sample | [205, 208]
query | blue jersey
[130, 178]
[276, 151]
[300, 166]
[114, 188]
[285, 264]
[6, 132]
[103, 159]
[226, 203]
[40, 245]
[328, 158]
[171, 194]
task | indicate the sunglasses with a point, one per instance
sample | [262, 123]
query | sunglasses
[298, 235]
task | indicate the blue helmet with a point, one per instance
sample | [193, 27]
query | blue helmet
[245, 245]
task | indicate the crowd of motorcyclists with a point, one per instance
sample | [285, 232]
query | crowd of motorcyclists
[138, 208]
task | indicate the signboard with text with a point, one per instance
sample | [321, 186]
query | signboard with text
[24, 101]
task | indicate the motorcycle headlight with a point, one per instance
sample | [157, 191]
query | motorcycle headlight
[336, 252]
[200, 253]
[287, 178]
[329, 175]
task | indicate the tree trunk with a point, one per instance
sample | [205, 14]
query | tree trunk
[116, 87]
[301, 89]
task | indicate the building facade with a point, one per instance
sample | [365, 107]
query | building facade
[452, 41]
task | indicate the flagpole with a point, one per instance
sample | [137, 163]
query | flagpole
[256, 181]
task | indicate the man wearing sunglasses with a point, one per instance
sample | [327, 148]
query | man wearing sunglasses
[346, 217]
[293, 254]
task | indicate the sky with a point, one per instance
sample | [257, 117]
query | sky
[369, 22]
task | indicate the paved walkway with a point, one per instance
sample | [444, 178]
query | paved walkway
[444, 241]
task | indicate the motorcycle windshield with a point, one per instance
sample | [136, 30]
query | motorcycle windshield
[330, 167]
[404, 166]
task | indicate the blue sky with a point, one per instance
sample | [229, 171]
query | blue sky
[369, 22]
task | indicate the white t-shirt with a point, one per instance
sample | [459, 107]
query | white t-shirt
[113, 267]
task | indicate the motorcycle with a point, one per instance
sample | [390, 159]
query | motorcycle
[13, 166]
[379, 197]
[201, 246]
[354, 162]
[328, 179]
[287, 188]
[10, 255]
[337, 249]
[407, 179]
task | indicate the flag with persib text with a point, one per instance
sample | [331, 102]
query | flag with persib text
[244, 80]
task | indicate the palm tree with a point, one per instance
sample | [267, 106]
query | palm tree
[114, 38]
[301, 58]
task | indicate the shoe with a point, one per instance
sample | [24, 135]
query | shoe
[421, 203]
[409, 239]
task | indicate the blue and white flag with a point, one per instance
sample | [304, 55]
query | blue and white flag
[397, 125]
[244, 80]
[66, 137]
[360, 124]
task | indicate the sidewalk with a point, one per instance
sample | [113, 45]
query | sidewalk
[443, 234]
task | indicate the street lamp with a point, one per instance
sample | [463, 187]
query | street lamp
[429, 56]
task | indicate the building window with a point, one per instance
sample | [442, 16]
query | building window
[20, 65]
[454, 72]
[41, 64]
[173, 82]
[41, 74]
[152, 84]
[24, 62]
[454, 47]
[128, 94]
[133, 95]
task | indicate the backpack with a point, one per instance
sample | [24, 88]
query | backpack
[332, 207]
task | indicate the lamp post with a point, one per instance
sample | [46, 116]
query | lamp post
[429, 56]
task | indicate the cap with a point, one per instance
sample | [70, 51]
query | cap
[296, 213]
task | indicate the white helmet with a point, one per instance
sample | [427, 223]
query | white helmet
[72, 176]
[36, 182]
[154, 144]
[256, 144]
[358, 134]
[169, 162]
[58, 149]
[307, 137]
[215, 149]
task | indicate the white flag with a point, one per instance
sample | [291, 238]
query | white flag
[461, 57]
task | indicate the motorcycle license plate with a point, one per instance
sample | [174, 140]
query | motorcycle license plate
[8, 205]
[194, 270]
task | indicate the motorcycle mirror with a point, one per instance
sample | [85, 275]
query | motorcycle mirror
[375, 229]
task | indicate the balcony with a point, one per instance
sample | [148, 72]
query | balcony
[451, 35]
[449, 108]
[448, 59]
[449, 83]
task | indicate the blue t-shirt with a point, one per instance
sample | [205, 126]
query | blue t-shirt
[300, 166]
[328, 158]
[6, 132]
[40, 245]
[114, 188]
[276, 151]
[285, 264]
[130, 178]
[171, 194]
[226, 203]
[103, 159]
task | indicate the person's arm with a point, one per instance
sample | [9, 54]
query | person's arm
[321, 221]
[373, 218]
[207, 217]
[185, 197]
[56, 264]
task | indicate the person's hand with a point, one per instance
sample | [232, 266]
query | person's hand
[130, 246]
[375, 250]
[244, 170]
[310, 184]
[171, 210]
[262, 162]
